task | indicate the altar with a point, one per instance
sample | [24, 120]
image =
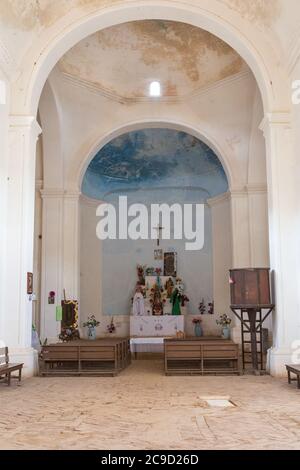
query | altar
[158, 312]
[162, 326]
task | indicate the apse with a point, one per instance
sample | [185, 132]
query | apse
[149, 166]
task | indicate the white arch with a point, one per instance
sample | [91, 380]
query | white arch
[202, 135]
[211, 16]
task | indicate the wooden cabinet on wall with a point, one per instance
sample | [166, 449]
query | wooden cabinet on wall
[250, 287]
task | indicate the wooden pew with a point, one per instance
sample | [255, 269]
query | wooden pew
[6, 368]
[209, 355]
[99, 357]
[294, 369]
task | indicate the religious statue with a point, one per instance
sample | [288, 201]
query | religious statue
[140, 274]
[175, 300]
[156, 301]
[169, 285]
[138, 305]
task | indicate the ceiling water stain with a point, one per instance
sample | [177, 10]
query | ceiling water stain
[260, 12]
[182, 57]
[29, 15]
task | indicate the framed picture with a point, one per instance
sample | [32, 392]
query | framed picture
[170, 264]
[158, 254]
[29, 283]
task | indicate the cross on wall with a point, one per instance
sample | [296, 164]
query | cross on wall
[159, 228]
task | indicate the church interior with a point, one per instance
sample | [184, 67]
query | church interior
[155, 103]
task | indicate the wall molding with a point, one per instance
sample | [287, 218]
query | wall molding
[113, 96]
[214, 201]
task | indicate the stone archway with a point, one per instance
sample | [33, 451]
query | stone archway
[216, 18]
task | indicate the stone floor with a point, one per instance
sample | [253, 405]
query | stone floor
[143, 409]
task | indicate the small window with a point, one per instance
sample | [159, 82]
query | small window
[155, 89]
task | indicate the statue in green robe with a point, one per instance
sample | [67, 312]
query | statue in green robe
[175, 299]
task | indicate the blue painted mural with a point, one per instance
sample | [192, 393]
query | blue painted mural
[154, 158]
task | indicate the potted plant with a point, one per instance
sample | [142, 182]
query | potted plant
[91, 324]
[224, 321]
[197, 327]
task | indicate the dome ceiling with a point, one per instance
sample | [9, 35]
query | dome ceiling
[124, 59]
[154, 158]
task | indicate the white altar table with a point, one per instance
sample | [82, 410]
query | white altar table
[152, 326]
[147, 332]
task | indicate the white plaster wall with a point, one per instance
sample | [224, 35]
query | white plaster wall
[222, 113]
[4, 112]
[91, 269]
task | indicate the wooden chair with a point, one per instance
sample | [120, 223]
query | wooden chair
[6, 368]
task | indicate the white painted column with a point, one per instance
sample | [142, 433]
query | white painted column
[71, 239]
[221, 243]
[60, 255]
[241, 257]
[18, 259]
[258, 225]
[4, 125]
[283, 194]
[52, 258]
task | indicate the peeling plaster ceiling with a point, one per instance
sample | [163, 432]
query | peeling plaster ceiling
[154, 158]
[124, 59]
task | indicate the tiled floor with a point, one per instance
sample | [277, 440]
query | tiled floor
[143, 409]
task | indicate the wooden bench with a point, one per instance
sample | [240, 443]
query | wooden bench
[208, 355]
[294, 369]
[6, 368]
[80, 357]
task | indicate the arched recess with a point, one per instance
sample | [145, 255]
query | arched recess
[211, 16]
[100, 141]
[93, 255]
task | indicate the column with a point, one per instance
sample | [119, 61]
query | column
[60, 255]
[71, 237]
[51, 264]
[18, 258]
[221, 243]
[283, 205]
[258, 225]
[241, 255]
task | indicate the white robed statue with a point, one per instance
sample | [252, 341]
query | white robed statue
[138, 306]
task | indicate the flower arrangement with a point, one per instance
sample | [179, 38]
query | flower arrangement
[69, 334]
[224, 320]
[91, 322]
[210, 309]
[158, 271]
[202, 307]
[111, 327]
[196, 321]
[183, 299]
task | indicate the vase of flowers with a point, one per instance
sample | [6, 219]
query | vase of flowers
[197, 327]
[91, 325]
[111, 327]
[224, 321]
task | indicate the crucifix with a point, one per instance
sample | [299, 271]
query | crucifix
[159, 229]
